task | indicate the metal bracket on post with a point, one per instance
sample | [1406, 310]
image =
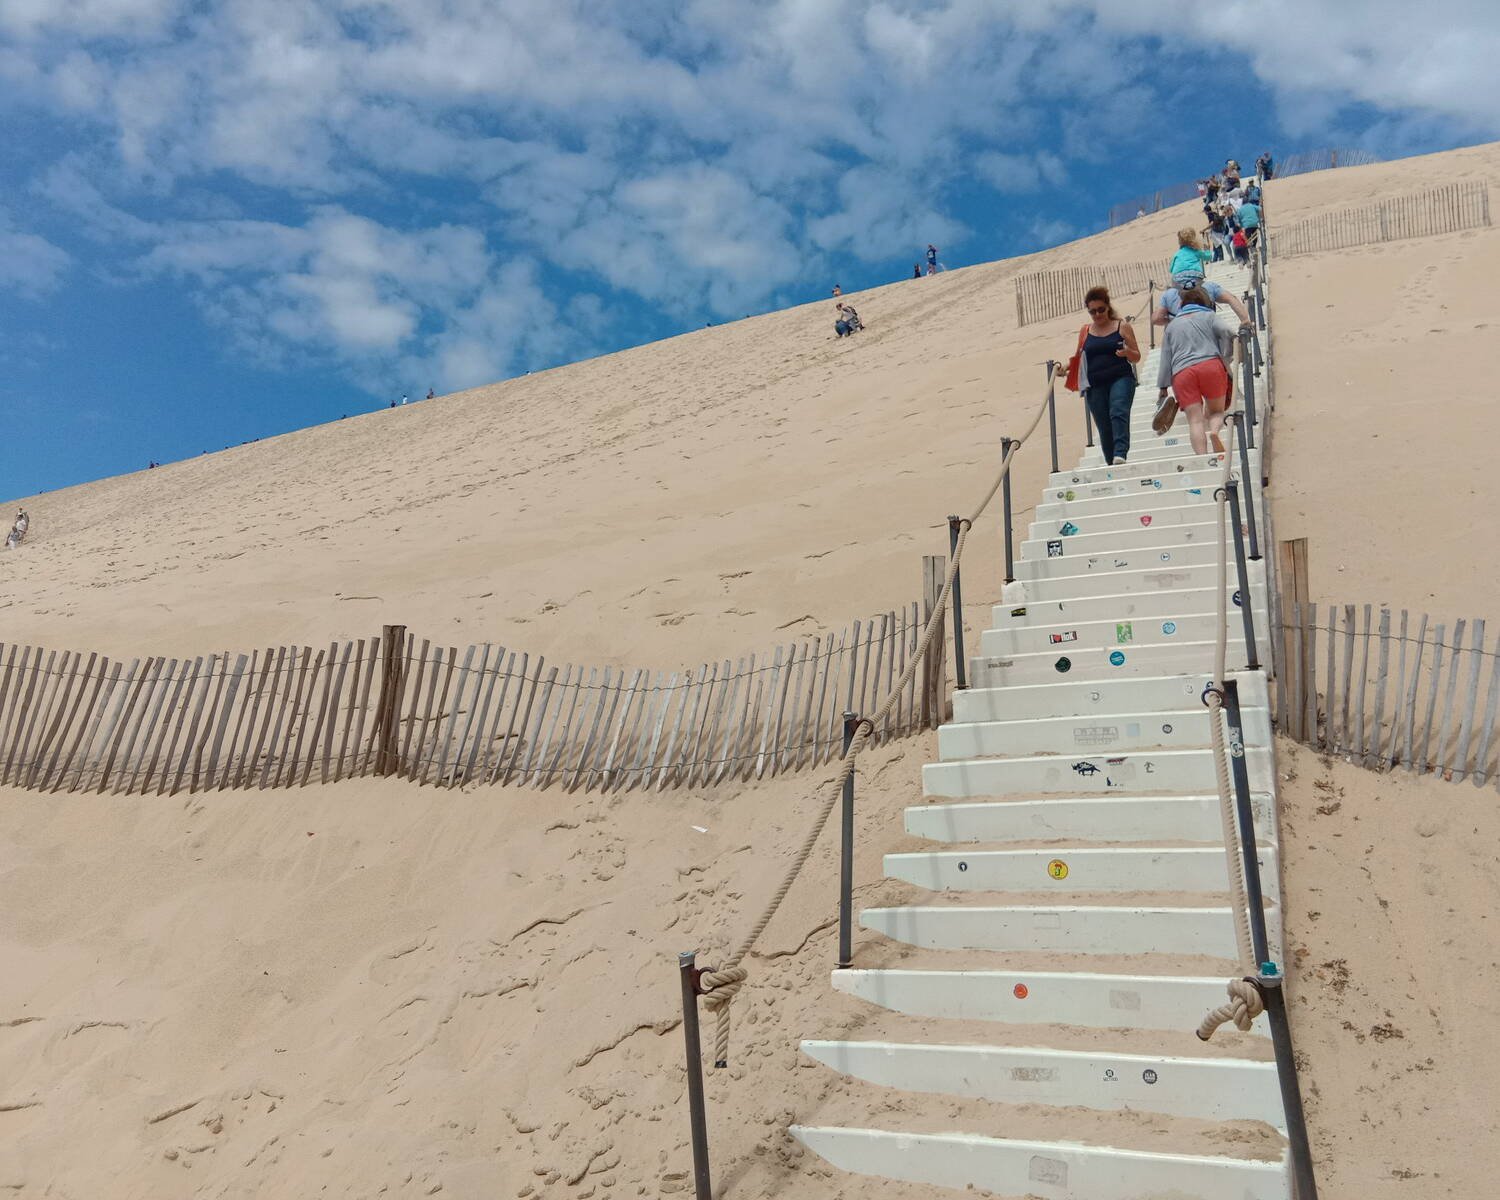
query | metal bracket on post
[1247, 617]
[1052, 408]
[960, 668]
[687, 969]
[1007, 448]
[846, 856]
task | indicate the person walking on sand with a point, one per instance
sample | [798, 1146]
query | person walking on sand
[837, 291]
[1195, 352]
[1190, 254]
[1107, 353]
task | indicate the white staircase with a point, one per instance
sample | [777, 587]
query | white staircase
[1073, 922]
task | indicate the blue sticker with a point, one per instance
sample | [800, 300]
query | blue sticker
[1169, 627]
[1238, 599]
[1063, 665]
[1166, 557]
[1068, 529]
[1117, 658]
[1156, 483]
[1195, 491]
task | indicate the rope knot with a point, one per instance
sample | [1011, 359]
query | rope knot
[1245, 1004]
[718, 988]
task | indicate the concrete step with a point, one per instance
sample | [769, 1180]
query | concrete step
[1057, 560]
[1097, 664]
[1145, 445]
[1183, 772]
[1129, 502]
[1064, 929]
[1199, 483]
[1108, 819]
[1118, 520]
[1114, 732]
[1206, 464]
[1112, 541]
[1053, 1170]
[1222, 1089]
[1079, 697]
[1099, 1001]
[1076, 868]
[1150, 575]
[1184, 624]
[1111, 608]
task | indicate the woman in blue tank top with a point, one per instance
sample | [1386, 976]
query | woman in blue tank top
[1110, 353]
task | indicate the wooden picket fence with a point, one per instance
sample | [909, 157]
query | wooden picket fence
[1386, 689]
[1448, 209]
[396, 705]
[1043, 295]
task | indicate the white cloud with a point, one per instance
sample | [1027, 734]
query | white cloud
[30, 265]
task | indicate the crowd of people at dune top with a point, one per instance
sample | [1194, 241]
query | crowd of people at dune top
[1193, 375]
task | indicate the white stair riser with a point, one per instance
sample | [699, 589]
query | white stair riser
[1063, 697]
[1053, 1171]
[1125, 520]
[1217, 1089]
[1105, 869]
[1209, 464]
[1189, 771]
[1096, 1001]
[1121, 661]
[1145, 446]
[1062, 930]
[1059, 638]
[1112, 818]
[1152, 576]
[1198, 484]
[1125, 607]
[1159, 556]
[1115, 541]
[1126, 732]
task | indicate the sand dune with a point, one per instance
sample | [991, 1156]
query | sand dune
[371, 989]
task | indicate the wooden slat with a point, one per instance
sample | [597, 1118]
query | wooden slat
[278, 712]
[296, 728]
[447, 750]
[1345, 727]
[898, 663]
[25, 710]
[327, 764]
[416, 693]
[78, 689]
[1440, 759]
[584, 771]
[886, 693]
[825, 677]
[1487, 726]
[827, 737]
[853, 668]
[314, 757]
[1310, 673]
[53, 681]
[1330, 718]
[721, 683]
[796, 668]
[18, 674]
[199, 745]
[1377, 734]
[489, 726]
[205, 686]
[1391, 748]
[355, 710]
[1408, 751]
[1422, 761]
[691, 754]
[104, 717]
[527, 685]
[484, 679]
[755, 686]
[864, 706]
[1466, 725]
[265, 750]
[244, 725]
[161, 725]
[767, 720]
[620, 718]
[221, 725]
[358, 761]
[578, 704]
[1357, 747]
[533, 740]
[141, 712]
[640, 737]
[88, 720]
[109, 744]
[567, 696]
[432, 721]
[876, 692]
[914, 684]
[723, 760]
[681, 704]
[7, 701]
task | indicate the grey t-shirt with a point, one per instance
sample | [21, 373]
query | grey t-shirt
[1192, 338]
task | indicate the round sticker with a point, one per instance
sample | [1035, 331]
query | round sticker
[1070, 494]
[1169, 627]
[1238, 599]
[1157, 482]
[1146, 520]
[1166, 556]
[1063, 665]
[1149, 1075]
[963, 866]
[1166, 729]
[1057, 869]
[1020, 991]
[1116, 658]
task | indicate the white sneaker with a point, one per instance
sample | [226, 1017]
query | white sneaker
[1119, 462]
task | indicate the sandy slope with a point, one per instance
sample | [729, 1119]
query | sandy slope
[374, 990]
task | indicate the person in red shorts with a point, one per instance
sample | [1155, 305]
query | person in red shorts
[1195, 356]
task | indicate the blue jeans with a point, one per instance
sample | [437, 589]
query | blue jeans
[1110, 405]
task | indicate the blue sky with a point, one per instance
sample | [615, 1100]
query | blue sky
[224, 220]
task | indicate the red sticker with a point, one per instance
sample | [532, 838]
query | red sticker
[1146, 520]
[1021, 991]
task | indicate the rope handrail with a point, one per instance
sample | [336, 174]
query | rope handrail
[719, 987]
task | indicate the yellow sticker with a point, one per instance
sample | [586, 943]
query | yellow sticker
[1057, 869]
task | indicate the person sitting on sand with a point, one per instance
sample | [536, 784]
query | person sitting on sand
[18, 530]
[847, 322]
[1195, 354]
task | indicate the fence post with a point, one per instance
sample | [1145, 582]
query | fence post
[1052, 408]
[1007, 446]
[1247, 385]
[689, 973]
[387, 704]
[935, 664]
[1247, 616]
[960, 668]
[846, 856]
[1249, 496]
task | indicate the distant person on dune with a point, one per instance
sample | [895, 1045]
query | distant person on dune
[1195, 354]
[846, 321]
[932, 262]
[1107, 353]
[1190, 254]
[837, 291]
[18, 531]
[1265, 165]
[916, 270]
[430, 393]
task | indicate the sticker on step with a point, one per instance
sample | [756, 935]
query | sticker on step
[1070, 494]
[1109, 1075]
[1063, 665]
[1117, 658]
[1020, 991]
[1068, 529]
[1195, 491]
[1067, 635]
[963, 866]
[1124, 631]
[1054, 548]
[1085, 768]
[1057, 869]
[1018, 612]
[1239, 600]
[1149, 1075]
[1169, 627]
[1146, 520]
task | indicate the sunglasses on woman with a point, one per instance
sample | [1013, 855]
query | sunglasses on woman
[1097, 312]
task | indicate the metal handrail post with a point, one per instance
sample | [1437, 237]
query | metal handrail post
[1269, 982]
[1007, 448]
[1247, 617]
[1247, 385]
[1151, 311]
[1249, 497]
[1088, 424]
[1255, 328]
[960, 669]
[1052, 408]
[689, 972]
[846, 856]
[1245, 813]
